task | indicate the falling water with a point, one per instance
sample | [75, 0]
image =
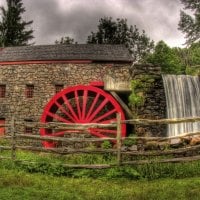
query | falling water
[183, 100]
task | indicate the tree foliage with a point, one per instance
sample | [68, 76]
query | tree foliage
[13, 29]
[119, 32]
[190, 24]
[167, 58]
[65, 40]
[190, 57]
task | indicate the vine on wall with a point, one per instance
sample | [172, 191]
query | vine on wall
[140, 86]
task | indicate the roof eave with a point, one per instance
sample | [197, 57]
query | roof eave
[77, 61]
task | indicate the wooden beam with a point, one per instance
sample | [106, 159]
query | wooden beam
[63, 139]
[66, 151]
[169, 160]
[161, 121]
[124, 106]
[119, 139]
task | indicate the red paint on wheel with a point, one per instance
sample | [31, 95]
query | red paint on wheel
[82, 104]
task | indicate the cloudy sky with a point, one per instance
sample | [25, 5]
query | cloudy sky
[77, 18]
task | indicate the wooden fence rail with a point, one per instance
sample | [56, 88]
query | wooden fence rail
[118, 151]
[161, 121]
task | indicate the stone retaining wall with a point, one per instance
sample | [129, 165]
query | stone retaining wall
[155, 103]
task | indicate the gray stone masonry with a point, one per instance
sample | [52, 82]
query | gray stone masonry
[44, 77]
[155, 103]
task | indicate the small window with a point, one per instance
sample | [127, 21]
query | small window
[58, 88]
[2, 128]
[2, 91]
[27, 129]
[29, 91]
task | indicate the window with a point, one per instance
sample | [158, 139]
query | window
[28, 129]
[2, 129]
[29, 91]
[58, 88]
[2, 91]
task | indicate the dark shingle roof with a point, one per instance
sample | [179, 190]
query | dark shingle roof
[66, 52]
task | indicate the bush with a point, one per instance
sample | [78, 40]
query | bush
[53, 165]
[106, 145]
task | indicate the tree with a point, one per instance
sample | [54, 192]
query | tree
[190, 57]
[13, 29]
[118, 32]
[65, 40]
[167, 58]
[190, 24]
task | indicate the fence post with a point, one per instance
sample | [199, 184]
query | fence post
[119, 137]
[13, 150]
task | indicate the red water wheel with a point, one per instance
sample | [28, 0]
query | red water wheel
[82, 104]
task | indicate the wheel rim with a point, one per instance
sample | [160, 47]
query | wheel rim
[82, 104]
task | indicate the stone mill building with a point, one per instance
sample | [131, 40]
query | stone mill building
[66, 83]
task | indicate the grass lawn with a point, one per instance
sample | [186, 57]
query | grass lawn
[168, 181]
[16, 185]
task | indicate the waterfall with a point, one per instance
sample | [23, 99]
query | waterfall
[183, 100]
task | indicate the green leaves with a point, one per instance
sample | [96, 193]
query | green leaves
[190, 24]
[118, 32]
[13, 29]
[176, 60]
[65, 40]
[140, 87]
[167, 58]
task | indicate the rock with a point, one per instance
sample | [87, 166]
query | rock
[152, 145]
[133, 148]
[140, 147]
[195, 141]
[176, 143]
[124, 148]
[141, 131]
[186, 140]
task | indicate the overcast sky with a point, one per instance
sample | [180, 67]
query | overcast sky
[53, 19]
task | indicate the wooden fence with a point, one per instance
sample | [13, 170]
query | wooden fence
[118, 151]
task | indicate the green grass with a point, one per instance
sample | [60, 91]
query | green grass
[43, 180]
[15, 185]
[52, 165]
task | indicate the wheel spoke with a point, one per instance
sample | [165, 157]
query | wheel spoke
[57, 117]
[103, 103]
[81, 104]
[85, 97]
[104, 115]
[77, 103]
[93, 105]
[60, 107]
[60, 133]
[70, 107]
[95, 133]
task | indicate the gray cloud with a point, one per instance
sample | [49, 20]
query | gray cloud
[77, 18]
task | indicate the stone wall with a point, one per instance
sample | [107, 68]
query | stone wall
[155, 104]
[44, 77]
